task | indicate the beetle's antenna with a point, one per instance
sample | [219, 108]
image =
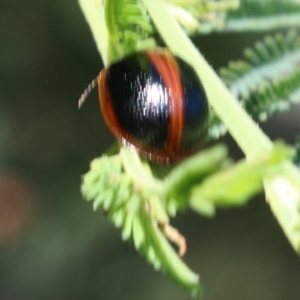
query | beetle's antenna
[87, 91]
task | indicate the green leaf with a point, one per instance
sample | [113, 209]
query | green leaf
[282, 193]
[267, 81]
[139, 234]
[235, 185]
[134, 200]
[127, 226]
[192, 171]
[256, 15]
[176, 269]
[201, 16]
[129, 26]
[231, 187]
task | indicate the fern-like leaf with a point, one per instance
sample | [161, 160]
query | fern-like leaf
[264, 15]
[201, 16]
[232, 15]
[129, 28]
[140, 204]
[267, 80]
[132, 202]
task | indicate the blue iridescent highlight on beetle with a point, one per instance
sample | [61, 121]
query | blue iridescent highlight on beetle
[196, 109]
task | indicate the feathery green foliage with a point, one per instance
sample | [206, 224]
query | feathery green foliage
[129, 31]
[125, 189]
[140, 204]
[204, 17]
[264, 15]
[267, 80]
[256, 8]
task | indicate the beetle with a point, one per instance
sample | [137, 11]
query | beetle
[155, 103]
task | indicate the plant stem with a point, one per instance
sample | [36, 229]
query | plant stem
[96, 20]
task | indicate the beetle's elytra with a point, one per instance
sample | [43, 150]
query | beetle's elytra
[154, 102]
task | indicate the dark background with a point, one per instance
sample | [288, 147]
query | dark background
[52, 244]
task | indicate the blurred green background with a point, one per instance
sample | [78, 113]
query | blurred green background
[52, 244]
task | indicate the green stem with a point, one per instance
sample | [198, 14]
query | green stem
[243, 129]
[96, 20]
